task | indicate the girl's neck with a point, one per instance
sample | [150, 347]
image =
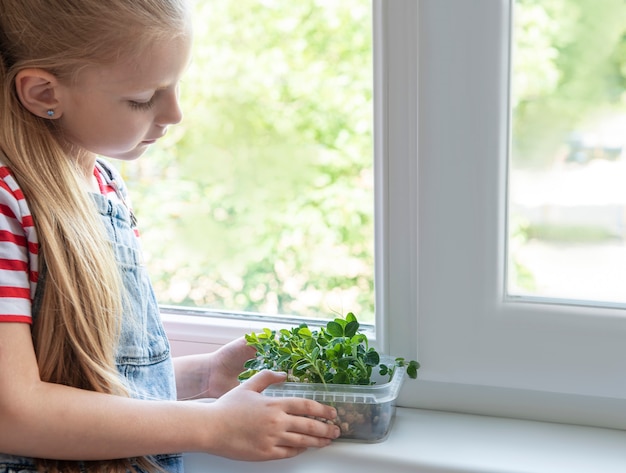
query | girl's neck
[86, 162]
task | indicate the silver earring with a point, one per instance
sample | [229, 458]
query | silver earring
[50, 113]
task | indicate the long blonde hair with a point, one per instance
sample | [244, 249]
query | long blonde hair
[76, 330]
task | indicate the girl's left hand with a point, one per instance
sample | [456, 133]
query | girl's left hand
[227, 364]
[211, 375]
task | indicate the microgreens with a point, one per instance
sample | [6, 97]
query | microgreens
[335, 354]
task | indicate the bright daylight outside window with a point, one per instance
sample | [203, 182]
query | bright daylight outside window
[567, 189]
[261, 201]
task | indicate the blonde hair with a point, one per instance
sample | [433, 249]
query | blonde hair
[77, 327]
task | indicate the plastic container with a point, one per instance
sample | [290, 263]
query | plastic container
[364, 413]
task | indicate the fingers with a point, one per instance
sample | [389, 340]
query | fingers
[263, 379]
[304, 410]
[259, 427]
[308, 408]
[307, 423]
[301, 434]
[315, 430]
[294, 406]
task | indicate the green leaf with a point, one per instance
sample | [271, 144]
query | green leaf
[359, 339]
[372, 358]
[335, 329]
[351, 329]
[315, 353]
[250, 363]
[246, 375]
[411, 370]
[284, 359]
[304, 331]
[343, 363]
[340, 378]
[310, 344]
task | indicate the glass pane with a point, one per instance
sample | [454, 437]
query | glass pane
[567, 192]
[262, 199]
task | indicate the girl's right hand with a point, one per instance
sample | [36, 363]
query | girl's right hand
[257, 427]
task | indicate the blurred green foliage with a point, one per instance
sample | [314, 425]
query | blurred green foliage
[262, 199]
[569, 62]
[568, 77]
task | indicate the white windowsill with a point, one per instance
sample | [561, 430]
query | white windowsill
[423, 441]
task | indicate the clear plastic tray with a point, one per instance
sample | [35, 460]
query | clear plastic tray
[365, 413]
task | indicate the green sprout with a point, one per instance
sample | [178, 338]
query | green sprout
[335, 354]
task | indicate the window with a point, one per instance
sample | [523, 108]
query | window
[567, 168]
[481, 351]
[442, 97]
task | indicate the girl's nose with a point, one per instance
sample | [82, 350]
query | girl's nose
[170, 112]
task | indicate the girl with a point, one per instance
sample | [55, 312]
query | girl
[86, 380]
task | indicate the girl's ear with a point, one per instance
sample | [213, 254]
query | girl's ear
[38, 91]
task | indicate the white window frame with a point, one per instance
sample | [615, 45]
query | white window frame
[442, 72]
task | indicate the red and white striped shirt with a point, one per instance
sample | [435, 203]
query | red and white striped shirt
[19, 247]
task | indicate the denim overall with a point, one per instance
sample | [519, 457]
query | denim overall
[143, 356]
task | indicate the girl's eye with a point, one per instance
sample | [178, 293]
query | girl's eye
[141, 105]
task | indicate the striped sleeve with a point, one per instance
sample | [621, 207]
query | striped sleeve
[18, 252]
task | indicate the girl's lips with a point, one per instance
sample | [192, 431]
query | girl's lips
[149, 142]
